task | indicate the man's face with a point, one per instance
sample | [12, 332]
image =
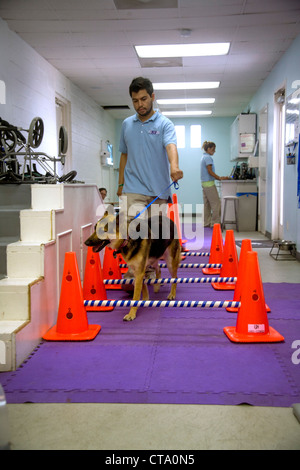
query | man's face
[143, 103]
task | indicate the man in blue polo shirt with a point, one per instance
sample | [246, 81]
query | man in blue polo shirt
[149, 157]
[148, 146]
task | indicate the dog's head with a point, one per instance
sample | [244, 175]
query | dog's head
[106, 232]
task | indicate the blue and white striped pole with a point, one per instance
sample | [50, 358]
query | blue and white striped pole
[173, 280]
[195, 253]
[185, 265]
[162, 303]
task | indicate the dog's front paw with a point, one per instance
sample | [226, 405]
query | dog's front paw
[171, 296]
[156, 288]
[129, 317]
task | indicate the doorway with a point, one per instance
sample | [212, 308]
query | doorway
[278, 164]
[262, 170]
[63, 118]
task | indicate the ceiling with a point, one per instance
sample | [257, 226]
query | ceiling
[92, 43]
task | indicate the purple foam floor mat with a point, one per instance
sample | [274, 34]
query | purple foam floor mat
[168, 355]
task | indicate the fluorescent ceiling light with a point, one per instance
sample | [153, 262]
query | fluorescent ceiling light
[185, 85]
[187, 113]
[186, 101]
[183, 50]
[294, 101]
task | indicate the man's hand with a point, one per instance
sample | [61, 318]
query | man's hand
[176, 174]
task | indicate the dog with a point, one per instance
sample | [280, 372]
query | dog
[148, 241]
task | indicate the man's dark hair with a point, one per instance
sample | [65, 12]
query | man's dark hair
[141, 83]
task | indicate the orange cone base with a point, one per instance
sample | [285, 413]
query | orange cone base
[223, 285]
[272, 337]
[113, 286]
[235, 309]
[89, 334]
[211, 270]
[99, 309]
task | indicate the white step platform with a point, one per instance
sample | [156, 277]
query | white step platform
[61, 218]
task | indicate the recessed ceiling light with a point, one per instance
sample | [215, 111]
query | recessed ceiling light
[294, 101]
[183, 50]
[187, 113]
[186, 101]
[292, 111]
[185, 85]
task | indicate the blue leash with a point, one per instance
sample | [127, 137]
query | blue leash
[176, 186]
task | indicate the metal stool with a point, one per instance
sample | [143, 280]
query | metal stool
[235, 201]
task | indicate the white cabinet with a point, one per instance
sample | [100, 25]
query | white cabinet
[243, 136]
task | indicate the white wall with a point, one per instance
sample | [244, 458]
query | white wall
[31, 86]
[285, 73]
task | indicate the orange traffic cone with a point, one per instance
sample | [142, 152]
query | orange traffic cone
[216, 250]
[229, 264]
[245, 247]
[72, 323]
[93, 287]
[111, 269]
[177, 221]
[252, 324]
[171, 215]
[122, 261]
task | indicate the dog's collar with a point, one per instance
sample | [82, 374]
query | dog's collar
[116, 252]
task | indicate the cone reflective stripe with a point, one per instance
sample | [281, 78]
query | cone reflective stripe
[93, 286]
[229, 264]
[216, 250]
[72, 323]
[245, 247]
[252, 324]
[111, 268]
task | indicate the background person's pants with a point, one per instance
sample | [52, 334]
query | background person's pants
[212, 206]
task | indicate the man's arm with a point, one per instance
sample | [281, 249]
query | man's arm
[123, 161]
[176, 173]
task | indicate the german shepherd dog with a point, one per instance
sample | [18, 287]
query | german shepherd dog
[154, 238]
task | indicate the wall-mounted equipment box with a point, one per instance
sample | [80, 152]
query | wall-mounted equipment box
[243, 136]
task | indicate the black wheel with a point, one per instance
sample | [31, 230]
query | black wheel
[68, 177]
[63, 141]
[36, 132]
[8, 140]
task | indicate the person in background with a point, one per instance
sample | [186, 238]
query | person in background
[211, 199]
[103, 193]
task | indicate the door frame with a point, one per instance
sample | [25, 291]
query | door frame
[278, 163]
[262, 169]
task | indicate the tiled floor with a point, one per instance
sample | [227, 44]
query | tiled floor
[161, 427]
